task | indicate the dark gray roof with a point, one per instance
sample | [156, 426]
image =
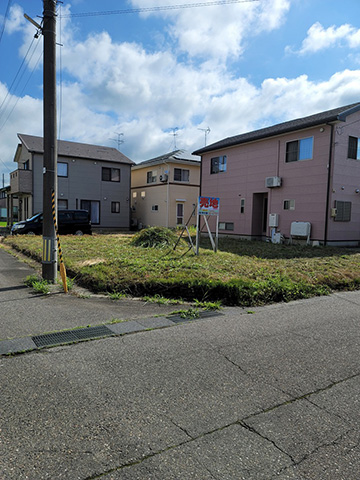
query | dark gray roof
[176, 155]
[76, 150]
[335, 115]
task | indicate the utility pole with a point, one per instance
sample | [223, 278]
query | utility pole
[49, 262]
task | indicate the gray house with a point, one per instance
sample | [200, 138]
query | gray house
[90, 177]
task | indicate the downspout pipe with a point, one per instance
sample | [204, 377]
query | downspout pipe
[328, 185]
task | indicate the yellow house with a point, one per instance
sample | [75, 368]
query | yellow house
[164, 190]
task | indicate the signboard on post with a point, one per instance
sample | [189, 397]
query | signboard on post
[208, 206]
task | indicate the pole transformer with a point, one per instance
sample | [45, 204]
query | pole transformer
[49, 261]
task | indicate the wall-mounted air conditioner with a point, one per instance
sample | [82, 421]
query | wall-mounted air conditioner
[163, 177]
[271, 182]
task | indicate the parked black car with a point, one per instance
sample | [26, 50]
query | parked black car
[76, 222]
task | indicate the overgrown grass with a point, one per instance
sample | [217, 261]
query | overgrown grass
[241, 273]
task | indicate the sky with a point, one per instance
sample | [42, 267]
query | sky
[157, 79]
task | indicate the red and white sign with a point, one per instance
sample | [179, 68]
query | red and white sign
[208, 206]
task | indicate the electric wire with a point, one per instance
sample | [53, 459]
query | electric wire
[157, 9]
[10, 89]
[5, 18]
[22, 91]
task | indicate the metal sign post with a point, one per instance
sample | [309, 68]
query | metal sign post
[208, 206]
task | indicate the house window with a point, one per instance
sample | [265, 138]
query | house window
[110, 174]
[155, 208]
[226, 226]
[181, 175]
[179, 214]
[62, 169]
[115, 207]
[354, 148]
[27, 165]
[299, 150]
[151, 177]
[62, 204]
[289, 204]
[218, 164]
[242, 205]
[93, 207]
[343, 211]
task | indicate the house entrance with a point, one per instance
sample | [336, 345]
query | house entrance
[259, 215]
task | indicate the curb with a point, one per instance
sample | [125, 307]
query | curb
[77, 335]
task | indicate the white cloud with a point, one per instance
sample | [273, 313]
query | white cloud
[113, 87]
[16, 20]
[320, 38]
[219, 31]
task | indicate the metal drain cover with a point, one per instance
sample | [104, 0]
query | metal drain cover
[58, 338]
[92, 332]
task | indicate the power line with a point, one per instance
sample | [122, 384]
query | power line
[22, 91]
[12, 90]
[5, 18]
[157, 9]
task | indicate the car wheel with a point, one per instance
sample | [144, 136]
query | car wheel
[31, 233]
[79, 232]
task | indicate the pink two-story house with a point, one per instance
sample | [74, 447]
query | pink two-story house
[295, 180]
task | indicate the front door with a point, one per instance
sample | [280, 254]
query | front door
[259, 215]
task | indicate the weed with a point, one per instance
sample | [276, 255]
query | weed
[158, 299]
[187, 313]
[31, 279]
[70, 282]
[38, 284]
[155, 237]
[117, 295]
[208, 305]
[42, 286]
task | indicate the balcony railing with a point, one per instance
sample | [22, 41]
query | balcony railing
[21, 181]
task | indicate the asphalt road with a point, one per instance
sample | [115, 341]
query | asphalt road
[260, 394]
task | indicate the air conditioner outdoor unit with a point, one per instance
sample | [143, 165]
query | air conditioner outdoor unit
[163, 178]
[271, 182]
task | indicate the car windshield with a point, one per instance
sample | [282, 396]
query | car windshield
[35, 217]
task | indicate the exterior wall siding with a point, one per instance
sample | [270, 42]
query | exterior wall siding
[345, 181]
[247, 167]
[84, 182]
[165, 195]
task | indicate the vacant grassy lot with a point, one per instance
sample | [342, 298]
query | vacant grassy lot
[241, 273]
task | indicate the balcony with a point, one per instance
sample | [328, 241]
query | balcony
[21, 181]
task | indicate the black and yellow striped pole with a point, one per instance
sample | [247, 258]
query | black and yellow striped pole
[62, 266]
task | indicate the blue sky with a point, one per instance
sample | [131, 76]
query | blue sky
[233, 68]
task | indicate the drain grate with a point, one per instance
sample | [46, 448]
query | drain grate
[51, 339]
[92, 332]
[206, 314]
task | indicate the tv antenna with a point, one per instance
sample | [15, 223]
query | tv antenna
[119, 140]
[206, 132]
[174, 134]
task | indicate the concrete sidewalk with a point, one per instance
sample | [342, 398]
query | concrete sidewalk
[25, 314]
[261, 394]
